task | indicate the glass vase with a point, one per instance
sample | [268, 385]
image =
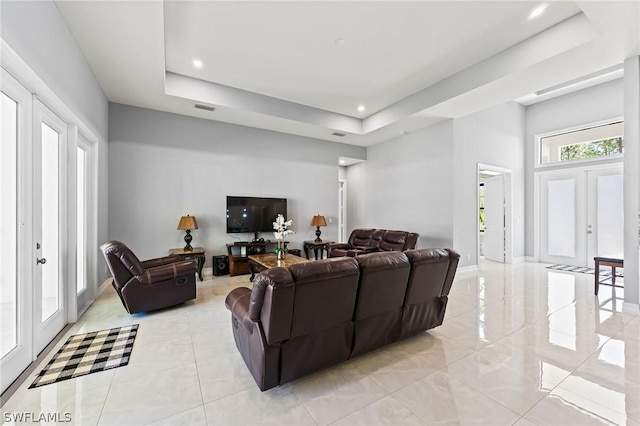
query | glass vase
[281, 251]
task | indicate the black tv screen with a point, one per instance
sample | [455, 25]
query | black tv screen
[253, 214]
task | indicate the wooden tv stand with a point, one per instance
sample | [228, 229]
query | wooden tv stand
[239, 253]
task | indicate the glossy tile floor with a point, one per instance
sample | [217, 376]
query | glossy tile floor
[520, 344]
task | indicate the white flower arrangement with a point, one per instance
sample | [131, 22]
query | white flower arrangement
[280, 226]
[281, 231]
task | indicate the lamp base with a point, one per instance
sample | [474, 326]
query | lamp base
[187, 239]
[318, 232]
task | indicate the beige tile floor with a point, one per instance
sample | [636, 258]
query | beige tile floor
[520, 344]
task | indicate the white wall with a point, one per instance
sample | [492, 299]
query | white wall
[163, 166]
[406, 184]
[36, 31]
[598, 103]
[493, 137]
[426, 182]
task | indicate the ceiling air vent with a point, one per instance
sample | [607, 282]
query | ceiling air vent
[205, 107]
[338, 134]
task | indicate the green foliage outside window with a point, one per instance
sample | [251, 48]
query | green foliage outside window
[594, 149]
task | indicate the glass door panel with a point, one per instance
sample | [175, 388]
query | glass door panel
[563, 218]
[50, 306]
[81, 258]
[610, 220]
[8, 225]
[50, 166]
[605, 226]
[16, 297]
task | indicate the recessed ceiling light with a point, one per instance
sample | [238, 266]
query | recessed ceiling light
[361, 108]
[197, 63]
[339, 42]
[342, 161]
[538, 11]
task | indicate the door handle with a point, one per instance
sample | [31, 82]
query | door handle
[41, 261]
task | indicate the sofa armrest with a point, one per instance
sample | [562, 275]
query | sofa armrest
[237, 302]
[168, 272]
[159, 261]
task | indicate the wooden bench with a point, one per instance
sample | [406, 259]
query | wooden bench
[606, 261]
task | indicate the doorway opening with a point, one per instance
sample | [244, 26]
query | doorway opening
[494, 213]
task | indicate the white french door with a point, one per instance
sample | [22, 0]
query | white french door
[50, 297]
[581, 215]
[16, 322]
[342, 211]
[605, 214]
[494, 219]
[48, 217]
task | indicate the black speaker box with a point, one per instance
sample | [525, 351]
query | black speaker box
[220, 265]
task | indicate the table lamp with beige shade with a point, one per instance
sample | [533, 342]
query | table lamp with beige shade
[318, 221]
[188, 223]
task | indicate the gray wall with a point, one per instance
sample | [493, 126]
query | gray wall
[406, 184]
[493, 137]
[601, 102]
[426, 182]
[163, 166]
[36, 31]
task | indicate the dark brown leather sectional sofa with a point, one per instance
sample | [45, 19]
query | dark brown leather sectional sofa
[369, 240]
[310, 316]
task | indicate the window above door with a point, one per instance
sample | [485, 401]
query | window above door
[587, 143]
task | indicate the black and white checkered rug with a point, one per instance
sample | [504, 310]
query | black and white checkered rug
[88, 353]
[605, 272]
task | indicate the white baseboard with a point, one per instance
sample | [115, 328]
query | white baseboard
[520, 259]
[631, 308]
[468, 268]
[531, 259]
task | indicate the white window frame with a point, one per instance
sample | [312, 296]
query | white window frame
[574, 163]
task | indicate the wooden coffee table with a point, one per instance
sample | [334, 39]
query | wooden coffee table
[260, 262]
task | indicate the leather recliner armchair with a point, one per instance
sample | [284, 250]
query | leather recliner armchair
[151, 284]
[370, 240]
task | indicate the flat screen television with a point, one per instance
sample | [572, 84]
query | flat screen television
[253, 214]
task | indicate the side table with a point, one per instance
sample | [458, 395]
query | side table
[317, 247]
[196, 254]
